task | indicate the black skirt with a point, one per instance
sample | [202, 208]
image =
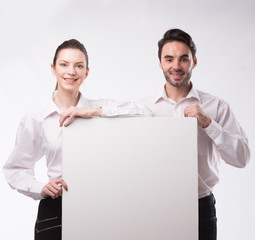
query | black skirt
[49, 219]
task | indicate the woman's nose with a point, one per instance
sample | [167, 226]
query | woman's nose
[71, 70]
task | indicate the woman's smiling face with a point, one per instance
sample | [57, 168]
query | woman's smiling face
[70, 69]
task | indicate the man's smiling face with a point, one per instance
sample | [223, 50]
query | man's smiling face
[177, 63]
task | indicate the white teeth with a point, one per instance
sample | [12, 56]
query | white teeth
[70, 80]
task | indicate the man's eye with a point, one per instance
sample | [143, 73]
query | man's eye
[184, 59]
[169, 60]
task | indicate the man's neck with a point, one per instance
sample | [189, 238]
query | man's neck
[177, 93]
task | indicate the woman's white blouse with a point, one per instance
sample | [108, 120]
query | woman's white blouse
[39, 135]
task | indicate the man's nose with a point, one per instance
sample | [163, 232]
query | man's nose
[176, 64]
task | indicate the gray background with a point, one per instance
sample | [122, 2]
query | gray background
[121, 39]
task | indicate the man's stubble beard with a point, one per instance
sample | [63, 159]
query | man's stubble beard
[177, 85]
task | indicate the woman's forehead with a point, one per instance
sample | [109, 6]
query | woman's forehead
[71, 54]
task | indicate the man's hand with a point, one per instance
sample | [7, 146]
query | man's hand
[53, 188]
[195, 110]
[68, 115]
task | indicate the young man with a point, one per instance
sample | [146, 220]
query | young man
[219, 134]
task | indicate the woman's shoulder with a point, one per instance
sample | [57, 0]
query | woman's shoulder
[36, 114]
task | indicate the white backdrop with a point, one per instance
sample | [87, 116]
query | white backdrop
[121, 39]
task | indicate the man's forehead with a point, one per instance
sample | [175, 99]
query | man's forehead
[175, 47]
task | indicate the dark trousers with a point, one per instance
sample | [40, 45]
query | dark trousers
[48, 223]
[207, 218]
[49, 219]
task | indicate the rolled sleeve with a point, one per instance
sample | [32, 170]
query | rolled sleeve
[230, 141]
[125, 109]
[19, 168]
[214, 131]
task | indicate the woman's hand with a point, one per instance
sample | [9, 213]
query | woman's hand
[53, 188]
[68, 115]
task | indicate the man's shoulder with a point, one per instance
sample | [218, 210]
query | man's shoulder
[206, 97]
[149, 99]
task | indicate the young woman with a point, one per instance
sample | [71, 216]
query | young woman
[40, 133]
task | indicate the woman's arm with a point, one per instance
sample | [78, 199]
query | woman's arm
[53, 188]
[68, 115]
[19, 167]
[105, 108]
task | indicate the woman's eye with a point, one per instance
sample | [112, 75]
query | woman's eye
[80, 66]
[63, 65]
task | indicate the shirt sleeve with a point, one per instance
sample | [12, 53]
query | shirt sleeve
[229, 138]
[19, 167]
[112, 108]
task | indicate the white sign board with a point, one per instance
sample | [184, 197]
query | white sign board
[130, 179]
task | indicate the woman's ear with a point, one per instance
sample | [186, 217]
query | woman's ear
[87, 73]
[52, 69]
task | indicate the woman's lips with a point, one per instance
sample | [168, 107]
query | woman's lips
[70, 80]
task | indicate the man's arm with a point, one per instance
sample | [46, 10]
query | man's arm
[196, 111]
[227, 135]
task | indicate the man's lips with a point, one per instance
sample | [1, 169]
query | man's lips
[177, 75]
[177, 72]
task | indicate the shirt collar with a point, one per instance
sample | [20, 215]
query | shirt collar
[193, 93]
[51, 107]
[163, 96]
[83, 102]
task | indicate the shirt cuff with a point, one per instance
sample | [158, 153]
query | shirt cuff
[214, 131]
[122, 112]
[36, 189]
[107, 112]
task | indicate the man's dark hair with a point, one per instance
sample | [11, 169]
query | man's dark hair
[176, 35]
[74, 44]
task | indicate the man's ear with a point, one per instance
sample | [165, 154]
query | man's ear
[160, 65]
[194, 62]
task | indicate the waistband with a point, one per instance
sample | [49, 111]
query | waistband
[207, 200]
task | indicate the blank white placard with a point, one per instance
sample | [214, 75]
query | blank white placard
[130, 179]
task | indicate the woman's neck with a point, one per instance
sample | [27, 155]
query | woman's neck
[64, 100]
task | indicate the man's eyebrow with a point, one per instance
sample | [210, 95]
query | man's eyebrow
[168, 56]
[182, 56]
